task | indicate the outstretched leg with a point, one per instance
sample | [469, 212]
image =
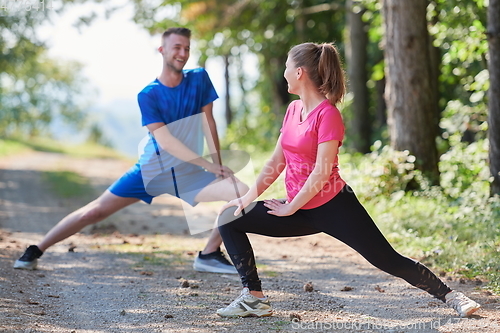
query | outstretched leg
[352, 225]
[93, 212]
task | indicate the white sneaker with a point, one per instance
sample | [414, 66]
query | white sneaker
[247, 305]
[461, 303]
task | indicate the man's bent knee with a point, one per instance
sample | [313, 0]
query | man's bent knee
[227, 216]
[242, 189]
[225, 190]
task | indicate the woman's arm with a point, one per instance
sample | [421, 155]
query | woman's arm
[327, 152]
[270, 172]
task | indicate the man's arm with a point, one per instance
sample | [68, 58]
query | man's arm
[176, 148]
[211, 135]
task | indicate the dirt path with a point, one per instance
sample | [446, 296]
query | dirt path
[100, 286]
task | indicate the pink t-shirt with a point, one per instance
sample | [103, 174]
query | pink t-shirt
[300, 140]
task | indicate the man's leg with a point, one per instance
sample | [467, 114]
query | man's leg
[219, 190]
[93, 212]
[211, 258]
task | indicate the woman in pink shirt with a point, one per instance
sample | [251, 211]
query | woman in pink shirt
[318, 200]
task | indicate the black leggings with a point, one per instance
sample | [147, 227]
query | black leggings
[344, 218]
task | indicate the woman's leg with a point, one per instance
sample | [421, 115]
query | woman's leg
[252, 302]
[346, 219]
[256, 221]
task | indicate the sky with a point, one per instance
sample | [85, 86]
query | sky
[120, 58]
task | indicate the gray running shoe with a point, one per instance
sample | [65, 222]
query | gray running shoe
[461, 303]
[29, 260]
[214, 262]
[247, 305]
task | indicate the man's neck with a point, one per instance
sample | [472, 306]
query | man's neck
[170, 78]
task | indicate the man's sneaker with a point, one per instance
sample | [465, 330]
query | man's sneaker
[29, 259]
[214, 262]
[461, 303]
[247, 305]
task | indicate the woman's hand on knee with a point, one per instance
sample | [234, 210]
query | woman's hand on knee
[240, 204]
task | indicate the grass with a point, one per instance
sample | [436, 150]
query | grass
[265, 270]
[159, 258]
[157, 250]
[14, 146]
[461, 240]
[67, 184]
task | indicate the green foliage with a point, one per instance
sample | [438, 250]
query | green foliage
[253, 134]
[384, 171]
[30, 105]
[97, 136]
[465, 167]
[35, 90]
[459, 32]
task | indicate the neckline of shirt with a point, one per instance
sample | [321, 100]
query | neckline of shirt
[180, 84]
[313, 110]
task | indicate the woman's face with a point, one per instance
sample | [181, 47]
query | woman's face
[291, 72]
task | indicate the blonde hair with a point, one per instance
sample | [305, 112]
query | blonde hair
[322, 64]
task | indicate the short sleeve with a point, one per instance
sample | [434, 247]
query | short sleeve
[209, 94]
[149, 109]
[330, 126]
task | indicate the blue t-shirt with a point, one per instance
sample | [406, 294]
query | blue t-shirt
[180, 109]
[159, 103]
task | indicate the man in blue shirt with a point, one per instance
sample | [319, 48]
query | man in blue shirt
[177, 110]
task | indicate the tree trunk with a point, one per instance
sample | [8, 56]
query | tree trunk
[381, 108]
[360, 129]
[408, 91]
[435, 67]
[494, 93]
[228, 113]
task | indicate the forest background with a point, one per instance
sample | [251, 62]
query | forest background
[422, 147]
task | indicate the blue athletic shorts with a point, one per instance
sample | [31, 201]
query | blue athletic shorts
[185, 186]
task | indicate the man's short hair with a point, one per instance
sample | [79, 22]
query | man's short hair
[178, 31]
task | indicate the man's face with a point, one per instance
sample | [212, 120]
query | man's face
[175, 51]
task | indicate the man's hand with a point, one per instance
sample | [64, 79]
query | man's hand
[219, 170]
